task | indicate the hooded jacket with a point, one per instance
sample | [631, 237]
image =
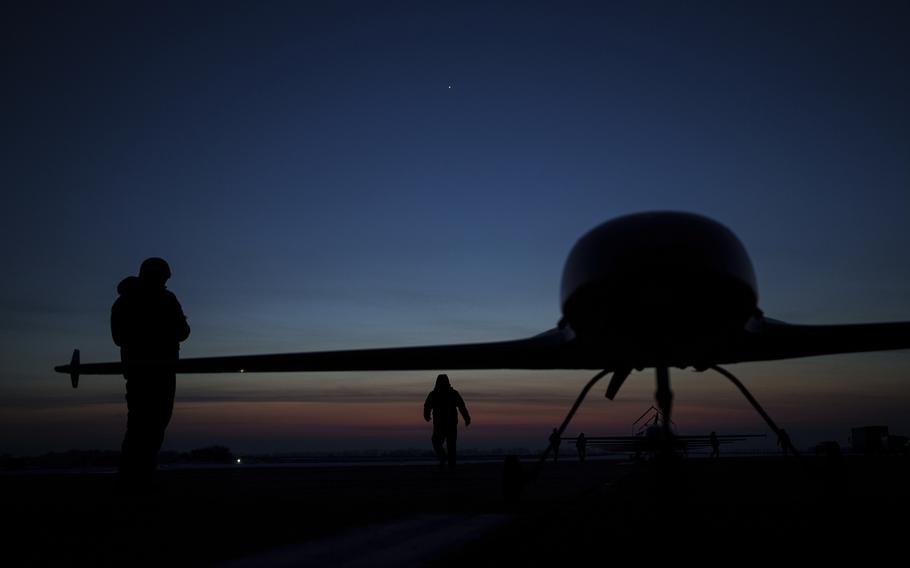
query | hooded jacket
[444, 403]
[147, 322]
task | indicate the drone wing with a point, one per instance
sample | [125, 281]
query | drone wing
[700, 442]
[553, 349]
[763, 340]
[768, 340]
[617, 444]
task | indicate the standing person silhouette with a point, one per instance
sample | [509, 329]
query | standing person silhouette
[715, 445]
[148, 324]
[554, 444]
[444, 403]
[581, 444]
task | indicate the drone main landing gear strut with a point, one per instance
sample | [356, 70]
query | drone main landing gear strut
[761, 411]
[664, 398]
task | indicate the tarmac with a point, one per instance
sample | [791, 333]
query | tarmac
[767, 508]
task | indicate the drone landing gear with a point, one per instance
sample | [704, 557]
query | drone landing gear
[565, 423]
[513, 480]
[664, 399]
[781, 435]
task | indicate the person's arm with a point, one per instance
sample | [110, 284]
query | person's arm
[181, 327]
[118, 331]
[464, 410]
[428, 407]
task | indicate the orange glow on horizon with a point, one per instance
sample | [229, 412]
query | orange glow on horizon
[820, 397]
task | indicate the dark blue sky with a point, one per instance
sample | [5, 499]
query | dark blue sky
[347, 174]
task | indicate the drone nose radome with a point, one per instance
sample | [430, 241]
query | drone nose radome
[663, 271]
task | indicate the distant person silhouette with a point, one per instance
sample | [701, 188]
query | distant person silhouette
[148, 324]
[444, 403]
[554, 444]
[581, 444]
[783, 440]
[715, 445]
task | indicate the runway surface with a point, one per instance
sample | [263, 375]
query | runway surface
[416, 515]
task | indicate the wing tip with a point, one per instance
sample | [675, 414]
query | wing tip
[72, 369]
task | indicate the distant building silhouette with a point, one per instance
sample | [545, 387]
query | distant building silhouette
[869, 440]
[148, 324]
[443, 404]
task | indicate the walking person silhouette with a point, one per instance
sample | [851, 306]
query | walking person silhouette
[581, 444]
[554, 444]
[148, 324]
[444, 403]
